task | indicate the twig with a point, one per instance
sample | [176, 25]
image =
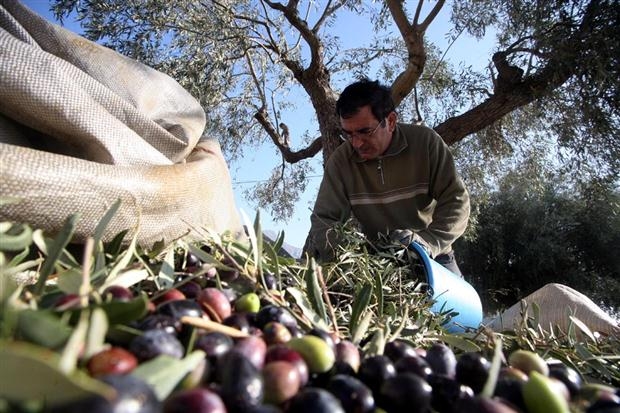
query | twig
[85, 285]
[213, 326]
[332, 313]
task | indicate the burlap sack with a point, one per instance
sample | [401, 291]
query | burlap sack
[556, 302]
[82, 126]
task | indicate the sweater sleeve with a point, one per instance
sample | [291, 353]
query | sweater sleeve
[451, 212]
[331, 208]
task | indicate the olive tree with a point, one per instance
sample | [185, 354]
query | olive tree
[552, 76]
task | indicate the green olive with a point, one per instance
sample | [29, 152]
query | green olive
[315, 351]
[541, 395]
[248, 303]
[528, 361]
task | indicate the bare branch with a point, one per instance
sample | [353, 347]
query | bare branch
[288, 155]
[327, 11]
[418, 10]
[399, 16]
[292, 16]
[417, 105]
[321, 19]
[431, 16]
[414, 41]
[259, 89]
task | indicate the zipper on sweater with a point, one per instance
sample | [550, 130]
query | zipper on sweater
[380, 170]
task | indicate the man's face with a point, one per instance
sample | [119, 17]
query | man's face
[369, 136]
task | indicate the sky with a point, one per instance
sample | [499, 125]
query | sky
[256, 165]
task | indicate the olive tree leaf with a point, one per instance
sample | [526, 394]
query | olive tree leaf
[69, 356]
[362, 299]
[105, 220]
[379, 292]
[15, 237]
[361, 328]
[306, 308]
[126, 279]
[123, 312]
[314, 291]
[97, 331]
[43, 328]
[69, 281]
[164, 373]
[30, 372]
[271, 253]
[376, 344]
[459, 342]
[122, 261]
[253, 235]
[165, 277]
[496, 364]
[584, 328]
[55, 251]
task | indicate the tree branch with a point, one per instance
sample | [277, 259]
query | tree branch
[553, 75]
[292, 16]
[288, 155]
[414, 41]
[418, 10]
[431, 16]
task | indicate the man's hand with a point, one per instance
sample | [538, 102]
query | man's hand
[403, 236]
[406, 237]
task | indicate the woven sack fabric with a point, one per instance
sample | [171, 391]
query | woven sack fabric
[557, 302]
[82, 126]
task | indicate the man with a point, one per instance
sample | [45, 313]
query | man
[391, 177]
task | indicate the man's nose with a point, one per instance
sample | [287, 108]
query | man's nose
[356, 141]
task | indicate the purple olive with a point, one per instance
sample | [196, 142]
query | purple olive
[472, 370]
[197, 400]
[405, 392]
[354, 395]
[154, 343]
[375, 370]
[413, 364]
[314, 400]
[118, 293]
[442, 360]
[281, 381]
[253, 348]
[397, 349]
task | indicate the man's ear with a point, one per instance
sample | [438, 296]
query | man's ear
[391, 120]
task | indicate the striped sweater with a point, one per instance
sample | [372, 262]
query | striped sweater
[413, 185]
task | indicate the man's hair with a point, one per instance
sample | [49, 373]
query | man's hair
[363, 93]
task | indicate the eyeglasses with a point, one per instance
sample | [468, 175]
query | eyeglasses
[361, 133]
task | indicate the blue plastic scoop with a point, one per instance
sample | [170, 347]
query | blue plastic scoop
[450, 293]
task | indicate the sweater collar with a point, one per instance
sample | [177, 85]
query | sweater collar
[397, 145]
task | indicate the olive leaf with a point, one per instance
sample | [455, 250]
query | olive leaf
[271, 253]
[70, 354]
[314, 291]
[304, 304]
[362, 299]
[55, 251]
[42, 327]
[459, 342]
[489, 387]
[124, 312]
[97, 331]
[30, 372]
[14, 237]
[361, 328]
[164, 372]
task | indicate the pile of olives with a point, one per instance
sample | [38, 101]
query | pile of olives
[271, 365]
